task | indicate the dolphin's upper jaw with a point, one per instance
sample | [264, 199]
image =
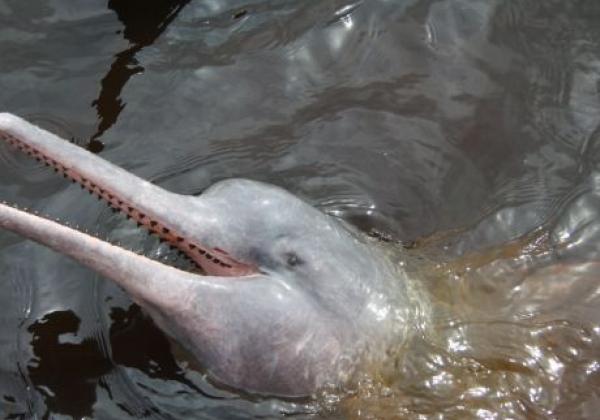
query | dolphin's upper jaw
[97, 177]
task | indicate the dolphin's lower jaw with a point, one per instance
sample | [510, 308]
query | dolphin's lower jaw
[292, 300]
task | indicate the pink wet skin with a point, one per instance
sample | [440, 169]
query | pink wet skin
[97, 180]
[290, 294]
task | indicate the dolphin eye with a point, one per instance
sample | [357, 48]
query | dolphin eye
[292, 259]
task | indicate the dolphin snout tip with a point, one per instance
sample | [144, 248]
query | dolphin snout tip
[8, 120]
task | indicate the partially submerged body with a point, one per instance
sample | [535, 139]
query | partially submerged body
[293, 299]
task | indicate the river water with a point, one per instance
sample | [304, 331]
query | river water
[464, 132]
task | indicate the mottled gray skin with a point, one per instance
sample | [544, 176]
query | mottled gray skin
[300, 300]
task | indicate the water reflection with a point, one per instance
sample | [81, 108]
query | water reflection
[68, 368]
[467, 129]
[143, 23]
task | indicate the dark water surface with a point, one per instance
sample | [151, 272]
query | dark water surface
[469, 127]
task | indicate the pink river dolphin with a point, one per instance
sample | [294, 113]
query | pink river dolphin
[285, 298]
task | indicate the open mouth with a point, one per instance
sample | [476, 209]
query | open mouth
[213, 261]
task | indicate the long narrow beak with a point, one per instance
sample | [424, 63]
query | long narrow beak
[147, 281]
[132, 271]
[161, 212]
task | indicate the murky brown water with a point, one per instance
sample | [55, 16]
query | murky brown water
[469, 128]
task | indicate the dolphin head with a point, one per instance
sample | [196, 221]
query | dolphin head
[288, 299]
[293, 243]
